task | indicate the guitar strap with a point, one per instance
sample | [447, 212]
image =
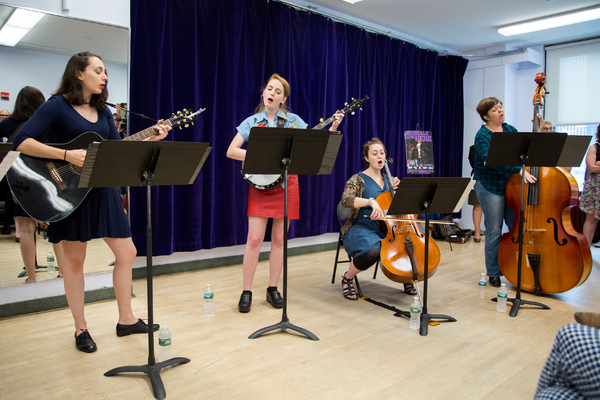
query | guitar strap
[12, 137]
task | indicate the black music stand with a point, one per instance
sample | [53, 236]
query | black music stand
[533, 149]
[134, 163]
[289, 151]
[426, 196]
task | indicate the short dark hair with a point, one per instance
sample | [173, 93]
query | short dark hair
[70, 86]
[28, 100]
[598, 134]
[485, 105]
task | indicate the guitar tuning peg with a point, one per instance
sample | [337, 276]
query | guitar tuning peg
[186, 125]
[321, 120]
[185, 110]
[192, 123]
[352, 113]
[180, 128]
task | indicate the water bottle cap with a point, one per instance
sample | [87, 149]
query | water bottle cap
[503, 285]
[164, 327]
[208, 284]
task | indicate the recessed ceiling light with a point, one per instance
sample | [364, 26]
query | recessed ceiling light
[551, 22]
[19, 23]
[352, 1]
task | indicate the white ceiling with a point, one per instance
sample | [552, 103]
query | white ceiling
[457, 26]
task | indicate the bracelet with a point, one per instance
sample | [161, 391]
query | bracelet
[65, 157]
[370, 199]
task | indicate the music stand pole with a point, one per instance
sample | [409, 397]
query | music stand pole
[152, 369]
[517, 301]
[420, 195]
[425, 316]
[285, 322]
[111, 163]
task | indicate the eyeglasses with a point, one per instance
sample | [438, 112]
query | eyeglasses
[547, 129]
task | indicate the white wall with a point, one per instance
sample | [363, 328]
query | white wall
[44, 70]
[509, 78]
[114, 12]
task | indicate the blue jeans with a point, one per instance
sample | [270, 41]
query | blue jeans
[495, 212]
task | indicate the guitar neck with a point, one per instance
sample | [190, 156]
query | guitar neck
[146, 133]
[325, 123]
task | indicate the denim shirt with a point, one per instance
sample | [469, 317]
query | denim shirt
[291, 120]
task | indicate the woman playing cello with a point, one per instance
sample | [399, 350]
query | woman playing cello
[362, 236]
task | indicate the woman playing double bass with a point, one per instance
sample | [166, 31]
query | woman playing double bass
[362, 236]
[491, 184]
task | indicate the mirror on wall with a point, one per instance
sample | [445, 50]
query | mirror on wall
[38, 60]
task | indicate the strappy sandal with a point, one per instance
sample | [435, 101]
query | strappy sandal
[409, 288]
[348, 291]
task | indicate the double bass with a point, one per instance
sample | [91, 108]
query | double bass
[403, 249]
[555, 257]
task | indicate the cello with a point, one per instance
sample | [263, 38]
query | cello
[403, 249]
[555, 258]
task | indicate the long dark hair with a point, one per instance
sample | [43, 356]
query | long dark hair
[70, 85]
[28, 100]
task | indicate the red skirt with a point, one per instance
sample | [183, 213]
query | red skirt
[270, 203]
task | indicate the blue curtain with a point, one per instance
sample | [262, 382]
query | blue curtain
[217, 55]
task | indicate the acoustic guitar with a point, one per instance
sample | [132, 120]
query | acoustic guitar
[47, 189]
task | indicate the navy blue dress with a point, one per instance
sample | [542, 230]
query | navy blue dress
[101, 214]
[365, 234]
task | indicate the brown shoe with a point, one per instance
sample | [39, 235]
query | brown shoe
[588, 318]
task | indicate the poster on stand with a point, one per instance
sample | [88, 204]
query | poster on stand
[419, 152]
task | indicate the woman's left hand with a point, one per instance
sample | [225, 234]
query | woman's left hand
[338, 117]
[161, 131]
[396, 182]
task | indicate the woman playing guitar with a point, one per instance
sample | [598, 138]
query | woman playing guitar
[78, 106]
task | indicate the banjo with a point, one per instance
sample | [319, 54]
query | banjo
[269, 181]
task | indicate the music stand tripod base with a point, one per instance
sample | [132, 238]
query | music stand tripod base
[283, 325]
[153, 372]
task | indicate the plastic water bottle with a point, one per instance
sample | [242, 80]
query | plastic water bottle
[482, 285]
[164, 344]
[209, 295]
[502, 296]
[415, 313]
[50, 263]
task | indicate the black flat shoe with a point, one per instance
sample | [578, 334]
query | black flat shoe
[274, 297]
[85, 343]
[245, 302]
[139, 327]
[495, 281]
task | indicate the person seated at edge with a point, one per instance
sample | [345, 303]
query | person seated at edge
[79, 106]
[264, 204]
[362, 236]
[491, 184]
[28, 101]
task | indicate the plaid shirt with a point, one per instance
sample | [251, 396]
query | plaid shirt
[494, 179]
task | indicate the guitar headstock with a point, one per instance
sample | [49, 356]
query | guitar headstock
[356, 103]
[184, 117]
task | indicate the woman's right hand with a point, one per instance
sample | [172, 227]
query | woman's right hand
[377, 211]
[76, 157]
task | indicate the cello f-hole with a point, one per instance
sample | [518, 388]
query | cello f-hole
[393, 239]
[558, 242]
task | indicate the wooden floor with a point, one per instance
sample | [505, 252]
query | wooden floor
[98, 258]
[364, 352]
